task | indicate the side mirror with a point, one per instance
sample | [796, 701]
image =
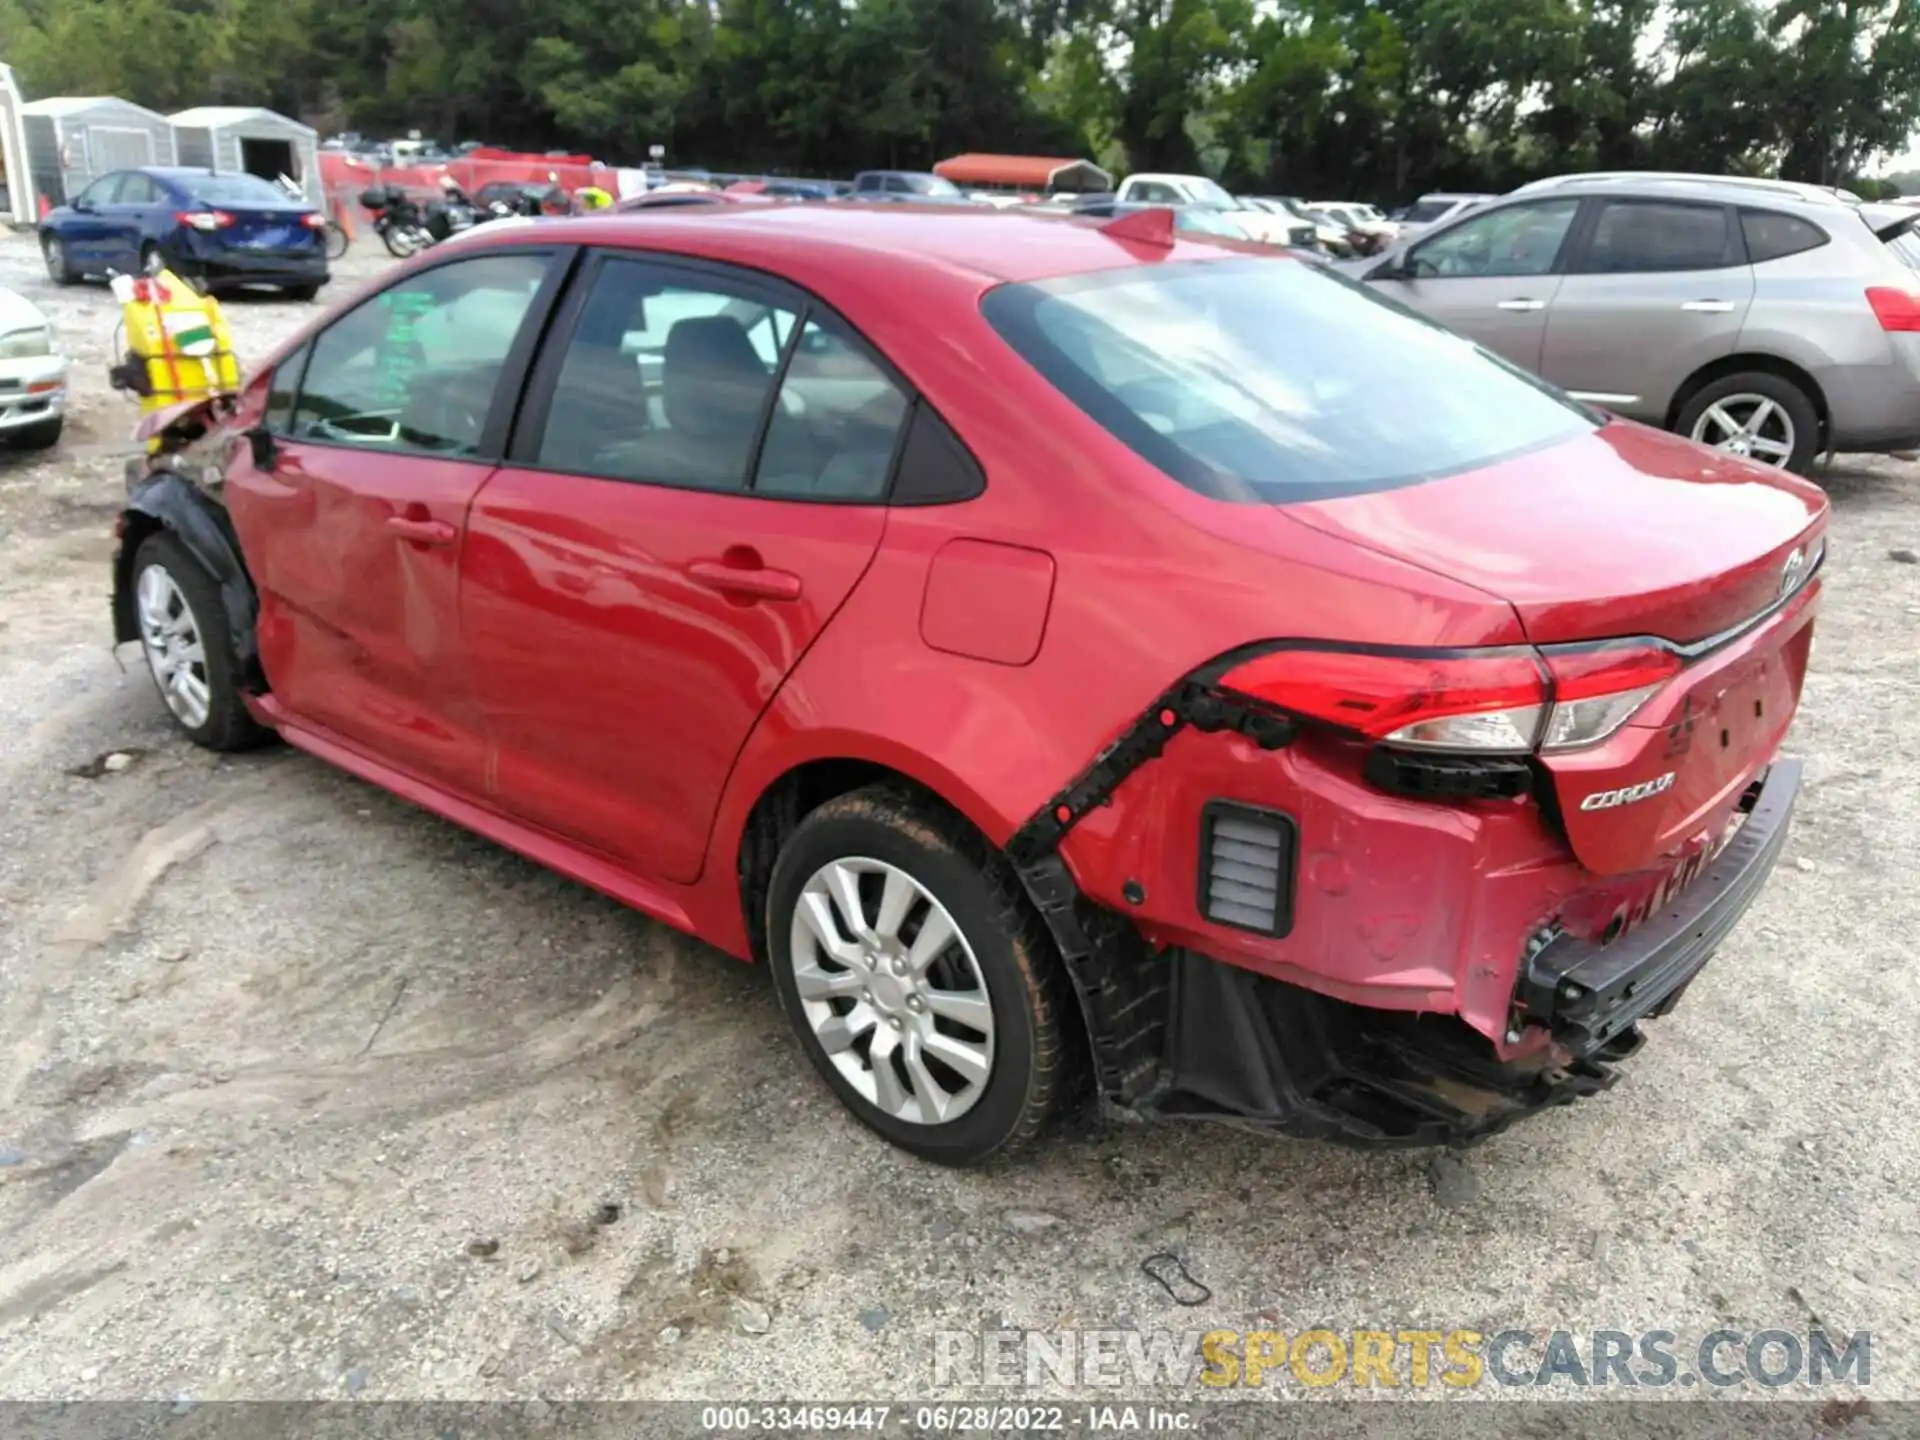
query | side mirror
[81, 207]
[265, 448]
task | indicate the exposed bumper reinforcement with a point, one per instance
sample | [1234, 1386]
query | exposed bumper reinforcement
[1589, 994]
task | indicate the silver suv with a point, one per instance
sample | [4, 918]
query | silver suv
[1777, 321]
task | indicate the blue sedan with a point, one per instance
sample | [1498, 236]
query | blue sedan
[221, 231]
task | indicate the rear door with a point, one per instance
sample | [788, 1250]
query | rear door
[1491, 276]
[142, 211]
[355, 528]
[695, 486]
[1654, 290]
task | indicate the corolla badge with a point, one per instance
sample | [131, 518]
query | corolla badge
[1628, 794]
[1791, 572]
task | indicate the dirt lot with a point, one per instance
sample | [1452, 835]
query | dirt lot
[306, 1094]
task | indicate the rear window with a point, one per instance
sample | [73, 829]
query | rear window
[236, 190]
[1773, 236]
[1426, 211]
[1274, 379]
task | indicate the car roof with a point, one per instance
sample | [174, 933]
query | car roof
[990, 245]
[1692, 186]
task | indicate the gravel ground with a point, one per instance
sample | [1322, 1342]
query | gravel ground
[304, 1093]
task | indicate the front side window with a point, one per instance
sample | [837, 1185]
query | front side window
[931, 185]
[103, 191]
[1514, 240]
[415, 368]
[1270, 379]
[1634, 237]
[665, 379]
[282, 389]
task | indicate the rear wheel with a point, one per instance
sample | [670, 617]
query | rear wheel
[188, 640]
[921, 985]
[400, 241]
[1756, 415]
[150, 260]
[337, 240]
[54, 251]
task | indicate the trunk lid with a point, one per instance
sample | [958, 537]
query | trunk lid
[279, 229]
[1630, 532]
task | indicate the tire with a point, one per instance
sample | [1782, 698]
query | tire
[882, 837]
[1789, 433]
[43, 436]
[300, 293]
[59, 270]
[184, 623]
[400, 242]
[337, 241]
[150, 258]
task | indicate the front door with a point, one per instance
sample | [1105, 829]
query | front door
[88, 233]
[355, 528]
[645, 571]
[1659, 289]
[1491, 277]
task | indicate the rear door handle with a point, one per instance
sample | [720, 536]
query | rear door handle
[1523, 304]
[422, 532]
[747, 583]
[1709, 307]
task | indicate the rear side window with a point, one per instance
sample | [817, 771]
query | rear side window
[137, 189]
[1773, 236]
[1269, 379]
[835, 426]
[1649, 236]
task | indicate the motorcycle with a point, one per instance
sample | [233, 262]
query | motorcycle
[398, 220]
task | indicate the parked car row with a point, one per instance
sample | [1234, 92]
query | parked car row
[1035, 638]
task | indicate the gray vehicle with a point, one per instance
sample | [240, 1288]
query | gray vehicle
[1774, 321]
[1437, 209]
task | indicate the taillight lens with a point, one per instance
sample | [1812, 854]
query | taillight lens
[204, 219]
[1595, 692]
[314, 220]
[1489, 702]
[1896, 310]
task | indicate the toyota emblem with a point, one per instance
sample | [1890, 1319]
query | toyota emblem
[1790, 572]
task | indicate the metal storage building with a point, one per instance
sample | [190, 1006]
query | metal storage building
[75, 139]
[247, 139]
[19, 205]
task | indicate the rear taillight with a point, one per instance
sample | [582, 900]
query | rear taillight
[204, 219]
[1487, 702]
[1896, 310]
[314, 220]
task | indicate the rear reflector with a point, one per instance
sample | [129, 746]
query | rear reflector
[1246, 867]
[1896, 310]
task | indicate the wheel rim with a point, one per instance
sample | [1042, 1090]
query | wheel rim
[175, 651]
[1755, 427]
[892, 991]
[56, 259]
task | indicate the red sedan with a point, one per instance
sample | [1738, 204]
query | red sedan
[1056, 649]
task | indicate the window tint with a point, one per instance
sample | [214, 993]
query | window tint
[1514, 240]
[1274, 380]
[415, 367]
[103, 190]
[1773, 236]
[1640, 236]
[833, 432]
[238, 190]
[282, 389]
[665, 380]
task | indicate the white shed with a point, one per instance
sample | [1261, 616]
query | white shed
[16, 179]
[246, 138]
[75, 139]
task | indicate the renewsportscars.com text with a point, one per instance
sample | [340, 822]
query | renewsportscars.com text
[1396, 1359]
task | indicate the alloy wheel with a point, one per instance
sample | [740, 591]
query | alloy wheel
[171, 636]
[1755, 427]
[892, 990]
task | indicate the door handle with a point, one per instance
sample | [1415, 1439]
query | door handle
[422, 532]
[750, 583]
[1523, 304]
[1709, 307]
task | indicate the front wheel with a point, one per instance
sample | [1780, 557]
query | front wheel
[922, 986]
[1756, 415]
[59, 268]
[400, 240]
[186, 634]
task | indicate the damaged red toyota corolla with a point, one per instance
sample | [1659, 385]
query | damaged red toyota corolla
[1054, 649]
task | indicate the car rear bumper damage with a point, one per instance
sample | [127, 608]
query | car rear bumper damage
[1177, 1033]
